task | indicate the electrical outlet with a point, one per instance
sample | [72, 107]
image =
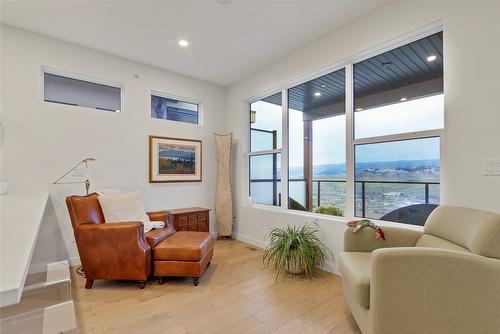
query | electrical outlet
[491, 167]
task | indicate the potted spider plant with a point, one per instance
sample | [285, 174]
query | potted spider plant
[296, 249]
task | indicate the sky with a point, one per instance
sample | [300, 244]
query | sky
[419, 149]
[410, 116]
[329, 134]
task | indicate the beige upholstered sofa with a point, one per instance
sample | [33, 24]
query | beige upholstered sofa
[442, 279]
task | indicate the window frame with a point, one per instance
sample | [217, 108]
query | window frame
[87, 78]
[198, 102]
[280, 151]
[326, 71]
[351, 142]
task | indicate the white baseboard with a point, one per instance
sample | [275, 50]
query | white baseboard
[251, 241]
[74, 261]
[329, 266]
[39, 268]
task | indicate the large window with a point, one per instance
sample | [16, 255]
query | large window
[362, 141]
[77, 92]
[316, 137]
[173, 109]
[398, 103]
[265, 147]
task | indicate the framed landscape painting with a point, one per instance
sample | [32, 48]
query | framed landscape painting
[174, 159]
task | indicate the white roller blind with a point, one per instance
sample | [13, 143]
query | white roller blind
[81, 93]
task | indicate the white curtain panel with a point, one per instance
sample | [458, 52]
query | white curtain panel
[224, 201]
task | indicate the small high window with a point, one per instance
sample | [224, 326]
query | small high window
[174, 110]
[76, 92]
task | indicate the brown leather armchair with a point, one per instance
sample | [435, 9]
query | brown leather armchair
[117, 251]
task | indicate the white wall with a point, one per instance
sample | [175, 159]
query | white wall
[42, 140]
[472, 115]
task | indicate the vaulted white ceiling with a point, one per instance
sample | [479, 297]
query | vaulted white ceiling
[228, 39]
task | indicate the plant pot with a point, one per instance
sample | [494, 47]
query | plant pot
[295, 250]
[293, 268]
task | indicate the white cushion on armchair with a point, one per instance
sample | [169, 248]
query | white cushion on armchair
[126, 207]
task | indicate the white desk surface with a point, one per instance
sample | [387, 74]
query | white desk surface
[21, 217]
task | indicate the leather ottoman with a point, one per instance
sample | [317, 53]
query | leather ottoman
[184, 253]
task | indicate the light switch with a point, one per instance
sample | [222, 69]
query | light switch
[491, 167]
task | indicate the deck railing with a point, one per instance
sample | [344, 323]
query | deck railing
[319, 182]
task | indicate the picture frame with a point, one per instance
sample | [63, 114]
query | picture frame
[174, 159]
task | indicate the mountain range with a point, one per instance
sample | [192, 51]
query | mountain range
[184, 155]
[402, 170]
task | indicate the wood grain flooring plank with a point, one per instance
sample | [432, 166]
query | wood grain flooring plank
[235, 295]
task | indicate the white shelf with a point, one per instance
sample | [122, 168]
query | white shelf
[20, 220]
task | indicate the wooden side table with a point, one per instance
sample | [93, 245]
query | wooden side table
[190, 219]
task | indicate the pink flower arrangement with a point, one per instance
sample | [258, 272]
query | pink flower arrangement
[356, 225]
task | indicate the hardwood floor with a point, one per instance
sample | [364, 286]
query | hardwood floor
[235, 295]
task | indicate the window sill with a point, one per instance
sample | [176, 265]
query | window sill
[328, 219]
[320, 217]
[175, 123]
[383, 223]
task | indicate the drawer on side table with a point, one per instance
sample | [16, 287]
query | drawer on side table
[181, 223]
[190, 219]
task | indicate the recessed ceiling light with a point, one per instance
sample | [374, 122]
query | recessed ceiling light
[317, 94]
[431, 58]
[403, 99]
[359, 109]
[323, 86]
[183, 43]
